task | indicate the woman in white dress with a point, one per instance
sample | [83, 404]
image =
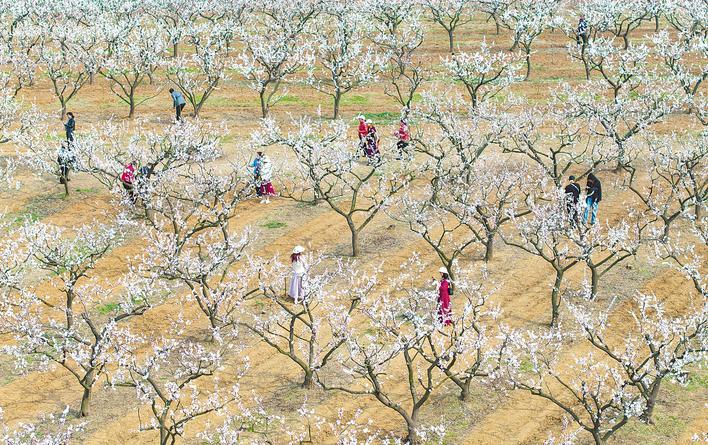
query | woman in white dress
[295, 292]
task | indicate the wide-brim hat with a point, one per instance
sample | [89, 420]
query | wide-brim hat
[361, 116]
[298, 249]
[443, 270]
[369, 121]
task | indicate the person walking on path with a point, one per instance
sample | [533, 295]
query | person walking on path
[69, 127]
[404, 137]
[295, 290]
[572, 197]
[444, 293]
[593, 190]
[178, 103]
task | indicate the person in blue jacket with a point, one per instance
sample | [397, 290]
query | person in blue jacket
[178, 103]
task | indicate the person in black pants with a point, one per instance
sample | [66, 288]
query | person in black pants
[65, 159]
[572, 196]
[178, 103]
[70, 126]
[594, 196]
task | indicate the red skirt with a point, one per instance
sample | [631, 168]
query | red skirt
[267, 189]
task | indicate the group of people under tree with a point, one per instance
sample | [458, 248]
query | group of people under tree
[298, 284]
[369, 139]
[262, 177]
[593, 196]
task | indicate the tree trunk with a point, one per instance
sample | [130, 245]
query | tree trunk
[86, 399]
[131, 103]
[594, 281]
[85, 403]
[597, 437]
[412, 426]
[465, 390]
[175, 49]
[355, 240]
[528, 64]
[620, 157]
[337, 101]
[264, 106]
[451, 39]
[556, 297]
[309, 380]
[651, 403]
[489, 248]
[66, 185]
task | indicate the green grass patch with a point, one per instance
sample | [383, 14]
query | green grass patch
[87, 191]
[666, 427]
[697, 381]
[289, 99]
[354, 99]
[107, 308]
[274, 225]
[385, 118]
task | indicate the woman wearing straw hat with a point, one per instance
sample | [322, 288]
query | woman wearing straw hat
[295, 292]
[444, 292]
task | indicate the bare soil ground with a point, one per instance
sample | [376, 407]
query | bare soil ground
[489, 419]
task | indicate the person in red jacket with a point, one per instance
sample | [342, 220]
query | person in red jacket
[128, 179]
[444, 292]
[404, 137]
[362, 131]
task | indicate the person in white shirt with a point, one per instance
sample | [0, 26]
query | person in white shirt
[296, 292]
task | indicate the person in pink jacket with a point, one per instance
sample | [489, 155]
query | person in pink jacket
[127, 178]
[404, 137]
[444, 292]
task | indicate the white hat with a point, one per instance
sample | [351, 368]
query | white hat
[369, 121]
[298, 249]
[361, 116]
[443, 270]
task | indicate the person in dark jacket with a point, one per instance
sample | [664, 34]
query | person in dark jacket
[581, 34]
[593, 190]
[572, 196]
[70, 126]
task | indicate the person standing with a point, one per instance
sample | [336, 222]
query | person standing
[372, 142]
[296, 291]
[362, 131]
[593, 190]
[266, 175]
[69, 127]
[256, 166]
[404, 137]
[572, 197]
[127, 178]
[444, 293]
[581, 34]
[65, 159]
[178, 103]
